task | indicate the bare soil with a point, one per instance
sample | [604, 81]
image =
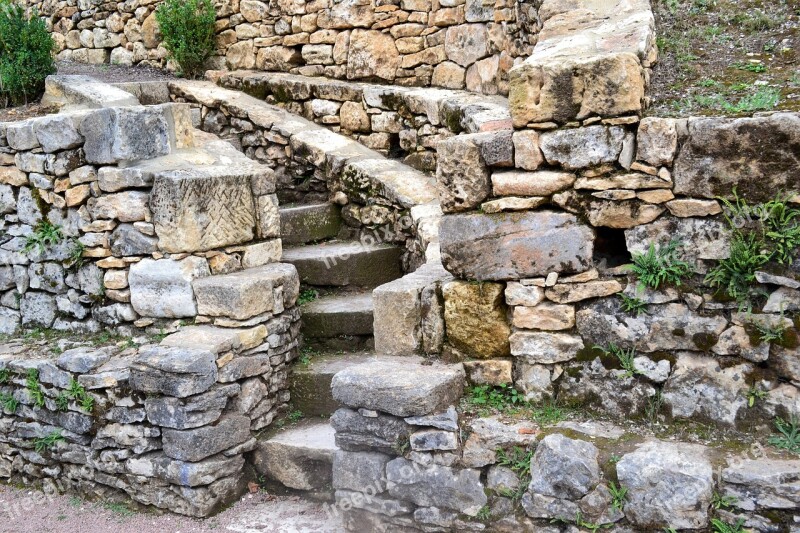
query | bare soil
[731, 57]
[31, 511]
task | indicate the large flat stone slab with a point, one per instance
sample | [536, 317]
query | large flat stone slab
[240, 295]
[399, 388]
[163, 288]
[589, 60]
[84, 92]
[345, 263]
[514, 245]
[758, 156]
[309, 223]
[341, 314]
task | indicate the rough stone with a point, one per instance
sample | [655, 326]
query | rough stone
[196, 444]
[438, 486]
[564, 468]
[475, 318]
[668, 484]
[163, 288]
[541, 183]
[543, 347]
[462, 176]
[514, 245]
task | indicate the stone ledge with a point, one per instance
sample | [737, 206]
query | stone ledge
[589, 61]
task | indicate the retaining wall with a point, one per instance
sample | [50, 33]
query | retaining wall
[457, 44]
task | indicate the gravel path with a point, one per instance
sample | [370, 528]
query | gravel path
[30, 511]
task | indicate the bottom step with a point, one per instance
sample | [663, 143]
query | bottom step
[310, 384]
[299, 457]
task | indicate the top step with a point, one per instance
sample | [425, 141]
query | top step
[345, 263]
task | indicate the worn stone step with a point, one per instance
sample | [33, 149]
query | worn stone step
[338, 314]
[304, 224]
[310, 384]
[340, 263]
[299, 457]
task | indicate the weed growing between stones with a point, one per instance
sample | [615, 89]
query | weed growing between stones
[720, 501]
[660, 266]
[582, 523]
[44, 234]
[9, 403]
[720, 526]
[754, 394]
[307, 296]
[34, 388]
[762, 234]
[618, 495]
[625, 358]
[500, 397]
[789, 435]
[42, 444]
[632, 304]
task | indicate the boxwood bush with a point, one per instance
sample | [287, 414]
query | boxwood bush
[187, 31]
[26, 54]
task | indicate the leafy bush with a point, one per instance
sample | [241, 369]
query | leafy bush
[187, 30]
[26, 54]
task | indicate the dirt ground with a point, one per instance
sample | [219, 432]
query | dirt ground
[731, 57]
[30, 511]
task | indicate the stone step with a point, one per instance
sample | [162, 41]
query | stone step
[305, 224]
[310, 384]
[337, 315]
[299, 457]
[345, 263]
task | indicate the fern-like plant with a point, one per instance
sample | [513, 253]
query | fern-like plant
[735, 274]
[659, 266]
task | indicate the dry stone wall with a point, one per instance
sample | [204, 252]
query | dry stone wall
[458, 44]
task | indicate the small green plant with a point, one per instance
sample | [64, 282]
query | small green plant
[653, 407]
[295, 415]
[719, 501]
[500, 397]
[735, 274]
[44, 234]
[48, 441]
[548, 414]
[764, 98]
[769, 332]
[758, 68]
[26, 54]
[754, 394]
[34, 388]
[625, 358]
[517, 459]
[632, 304]
[618, 495]
[75, 259]
[484, 514]
[585, 524]
[8, 402]
[307, 296]
[656, 267]
[789, 435]
[5, 376]
[187, 31]
[782, 229]
[62, 401]
[77, 392]
[719, 526]
[119, 509]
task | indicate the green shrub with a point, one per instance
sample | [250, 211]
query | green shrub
[657, 267]
[26, 54]
[187, 30]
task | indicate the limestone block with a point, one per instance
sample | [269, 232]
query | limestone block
[514, 245]
[163, 288]
[475, 318]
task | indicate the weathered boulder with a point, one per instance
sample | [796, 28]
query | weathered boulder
[399, 388]
[700, 387]
[514, 245]
[125, 134]
[240, 295]
[438, 486]
[578, 148]
[763, 483]
[299, 458]
[671, 326]
[544, 347]
[669, 484]
[475, 318]
[487, 435]
[607, 389]
[701, 238]
[656, 141]
[163, 288]
[564, 468]
[192, 412]
[540, 183]
[183, 473]
[758, 156]
[359, 470]
[372, 54]
[461, 174]
[466, 43]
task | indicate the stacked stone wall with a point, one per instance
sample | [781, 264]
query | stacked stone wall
[457, 44]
